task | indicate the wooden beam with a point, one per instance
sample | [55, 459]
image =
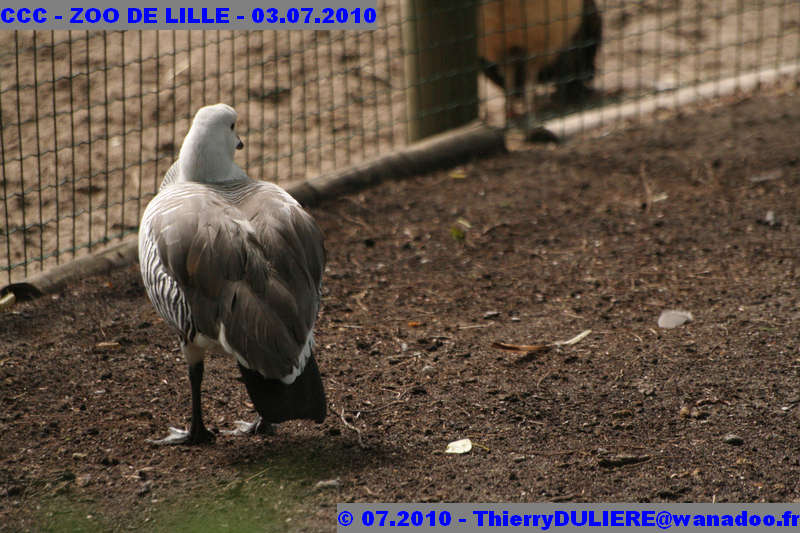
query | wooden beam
[441, 63]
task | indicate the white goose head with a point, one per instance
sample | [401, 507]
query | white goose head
[207, 152]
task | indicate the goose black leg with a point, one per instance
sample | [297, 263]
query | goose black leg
[197, 434]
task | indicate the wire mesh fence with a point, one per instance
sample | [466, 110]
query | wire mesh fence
[92, 120]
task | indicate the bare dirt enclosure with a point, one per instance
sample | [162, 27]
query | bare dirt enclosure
[697, 211]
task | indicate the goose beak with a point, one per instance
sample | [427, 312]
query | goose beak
[240, 144]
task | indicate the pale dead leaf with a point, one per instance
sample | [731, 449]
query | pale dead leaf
[459, 446]
[520, 348]
[106, 345]
[574, 340]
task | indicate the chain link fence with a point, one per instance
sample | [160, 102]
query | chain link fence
[92, 120]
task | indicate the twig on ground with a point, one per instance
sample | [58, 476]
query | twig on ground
[538, 383]
[379, 408]
[348, 425]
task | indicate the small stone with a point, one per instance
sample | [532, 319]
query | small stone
[428, 370]
[672, 319]
[491, 314]
[685, 412]
[733, 439]
[770, 220]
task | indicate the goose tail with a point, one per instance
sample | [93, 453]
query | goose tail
[277, 402]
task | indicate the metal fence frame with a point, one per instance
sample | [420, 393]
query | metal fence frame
[92, 120]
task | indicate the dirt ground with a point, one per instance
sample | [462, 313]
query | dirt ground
[696, 212]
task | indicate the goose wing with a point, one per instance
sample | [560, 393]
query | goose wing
[249, 262]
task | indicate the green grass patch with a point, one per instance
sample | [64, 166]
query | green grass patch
[261, 498]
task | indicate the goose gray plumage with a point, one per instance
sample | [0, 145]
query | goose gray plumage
[235, 264]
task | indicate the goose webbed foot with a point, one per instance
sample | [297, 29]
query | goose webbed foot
[259, 427]
[181, 436]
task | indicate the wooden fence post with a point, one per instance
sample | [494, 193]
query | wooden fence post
[441, 65]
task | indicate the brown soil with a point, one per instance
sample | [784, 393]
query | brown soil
[602, 233]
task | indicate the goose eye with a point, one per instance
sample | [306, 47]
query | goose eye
[232, 127]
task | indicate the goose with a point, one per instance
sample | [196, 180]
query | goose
[235, 265]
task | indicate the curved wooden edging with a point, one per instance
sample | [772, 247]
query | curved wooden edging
[52, 280]
[439, 151]
[669, 99]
